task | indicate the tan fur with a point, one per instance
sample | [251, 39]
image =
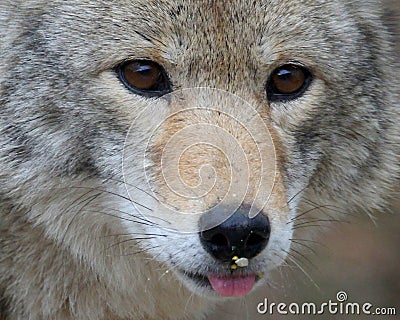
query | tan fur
[81, 236]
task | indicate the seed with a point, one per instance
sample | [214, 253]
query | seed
[242, 262]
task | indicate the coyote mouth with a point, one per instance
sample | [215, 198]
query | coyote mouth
[224, 285]
[199, 279]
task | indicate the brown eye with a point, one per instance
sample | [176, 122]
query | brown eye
[288, 82]
[144, 77]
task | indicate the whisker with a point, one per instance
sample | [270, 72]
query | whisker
[283, 262]
[139, 252]
[85, 203]
[133, 233]
[133, 186]
[305, 246]
[187, 303]
[297, 194]
[130, 240]
[114, 194]
[304, 257]
[139, 221]
[293, 260]
[306, 240]
[318, 220]
[124, 198]
[302, 214]
[330, 207]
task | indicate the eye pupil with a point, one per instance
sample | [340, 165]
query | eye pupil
[288, 82]
[144, 77]
[140, 75]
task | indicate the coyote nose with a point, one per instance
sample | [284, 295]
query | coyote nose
[238, 236]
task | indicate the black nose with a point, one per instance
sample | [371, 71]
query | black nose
[238, 236]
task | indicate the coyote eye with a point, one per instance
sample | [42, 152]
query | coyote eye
[144, 77]
[288, 82]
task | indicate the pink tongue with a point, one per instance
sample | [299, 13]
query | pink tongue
[233, 286]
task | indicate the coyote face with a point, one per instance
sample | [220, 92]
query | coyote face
[149, 145]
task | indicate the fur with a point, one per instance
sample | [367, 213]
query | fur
[72, 246]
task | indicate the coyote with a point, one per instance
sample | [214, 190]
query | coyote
[156, 155]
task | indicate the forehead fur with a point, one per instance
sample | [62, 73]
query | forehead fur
[209, 36]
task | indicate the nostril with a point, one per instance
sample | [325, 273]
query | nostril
[219, 240]
[255, 239]
[239, 235]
